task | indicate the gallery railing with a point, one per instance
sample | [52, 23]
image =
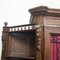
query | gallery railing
[21, 27]
[7, 30]
[26, 27]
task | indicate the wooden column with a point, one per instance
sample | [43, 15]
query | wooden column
[5, 36]
[38, 14]
[38, 42]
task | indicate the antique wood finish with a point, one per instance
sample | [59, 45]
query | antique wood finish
[5, 39]
[42, 37]
[49, 20]
[22, 28]
[49, 30]
[43, 22]
[39, 21]
[50, 27]
[12, 35]
[22, 44]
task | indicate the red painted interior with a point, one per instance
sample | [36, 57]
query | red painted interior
[55, 47]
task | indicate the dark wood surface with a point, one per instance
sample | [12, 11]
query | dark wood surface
[18, 44]
[22, 44]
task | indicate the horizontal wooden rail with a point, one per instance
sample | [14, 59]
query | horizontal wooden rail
[21, 27]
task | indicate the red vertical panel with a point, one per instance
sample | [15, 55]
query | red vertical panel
[58, 38]
[58, 47]
[58, 52]
[54, 46]
[51, 51]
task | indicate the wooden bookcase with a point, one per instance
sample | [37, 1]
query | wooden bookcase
[19, 42]
[33, 41]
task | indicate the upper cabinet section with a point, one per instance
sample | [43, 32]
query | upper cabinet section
[38, 10]
[52, 21]
[39, 13]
